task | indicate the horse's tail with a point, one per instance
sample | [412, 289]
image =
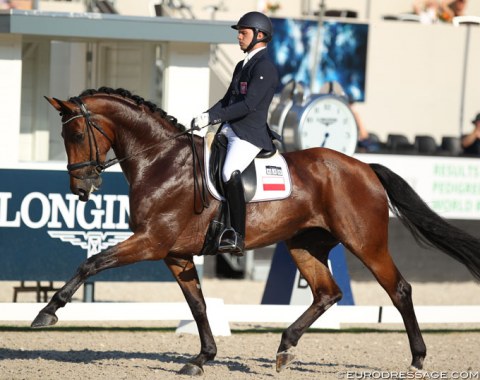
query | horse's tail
[426, 226]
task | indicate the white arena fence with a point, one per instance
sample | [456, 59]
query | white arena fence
[221, 314]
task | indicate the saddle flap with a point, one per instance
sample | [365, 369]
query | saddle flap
[216, 161]
[217, 158]
[265, 179]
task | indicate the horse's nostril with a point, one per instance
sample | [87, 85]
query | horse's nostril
[83, 195]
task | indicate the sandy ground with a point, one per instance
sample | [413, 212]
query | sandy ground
[151, 351]
[158, 355]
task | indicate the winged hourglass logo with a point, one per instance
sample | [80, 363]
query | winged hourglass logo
[91, 241]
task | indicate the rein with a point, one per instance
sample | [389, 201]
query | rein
[115, 160]
[100, 167]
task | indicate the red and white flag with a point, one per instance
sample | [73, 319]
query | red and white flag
[273, 183]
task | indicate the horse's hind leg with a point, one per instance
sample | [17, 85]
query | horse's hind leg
[310, 253]
[186, 275]
[400, 292]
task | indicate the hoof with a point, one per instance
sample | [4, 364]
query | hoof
[284, 358]
[44, 320]
[417, 364]
[415, 369]
[191, 370]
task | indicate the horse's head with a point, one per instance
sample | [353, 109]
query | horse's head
[87, 138]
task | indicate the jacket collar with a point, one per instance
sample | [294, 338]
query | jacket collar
[255, 56]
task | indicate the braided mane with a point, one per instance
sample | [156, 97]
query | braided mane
[138, 101]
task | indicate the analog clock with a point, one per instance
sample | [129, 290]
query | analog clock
[320, 121]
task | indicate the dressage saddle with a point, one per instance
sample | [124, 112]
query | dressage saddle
[217, 158]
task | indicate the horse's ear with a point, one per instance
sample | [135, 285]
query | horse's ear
[59, 105]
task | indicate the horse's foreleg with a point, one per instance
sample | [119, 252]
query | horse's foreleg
[122, 254]
[313, 265]
[185, 273]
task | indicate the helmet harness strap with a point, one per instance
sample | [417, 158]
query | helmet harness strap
[255, 40]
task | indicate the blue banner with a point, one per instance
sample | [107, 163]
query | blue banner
[46, 232]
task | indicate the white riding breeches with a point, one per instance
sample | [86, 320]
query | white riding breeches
[240, 153]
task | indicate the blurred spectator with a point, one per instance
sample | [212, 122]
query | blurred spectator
[365, 143]
[16, 4]
[471, 142]
[450, 9]
[431, 11]
[427, 10]
[5, 4]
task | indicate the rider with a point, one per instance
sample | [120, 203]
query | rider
[242, 113]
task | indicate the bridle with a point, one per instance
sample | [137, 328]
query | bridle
[92, 142]
[100, 167]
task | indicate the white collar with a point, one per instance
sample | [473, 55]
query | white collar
[253, 52]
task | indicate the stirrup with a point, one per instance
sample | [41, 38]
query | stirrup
[230, 241]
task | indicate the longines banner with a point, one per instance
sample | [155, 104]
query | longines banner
[46, 232]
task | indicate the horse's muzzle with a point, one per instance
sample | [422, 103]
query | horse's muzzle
[84, 187]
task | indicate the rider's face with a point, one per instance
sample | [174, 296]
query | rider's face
[244, 37]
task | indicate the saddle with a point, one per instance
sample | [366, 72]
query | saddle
[217, 159]
[265, 179]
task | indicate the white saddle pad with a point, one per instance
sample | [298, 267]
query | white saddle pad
[273, 176]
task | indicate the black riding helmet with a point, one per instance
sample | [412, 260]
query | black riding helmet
[258, 22]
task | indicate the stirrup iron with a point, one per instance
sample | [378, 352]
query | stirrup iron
[232, 243]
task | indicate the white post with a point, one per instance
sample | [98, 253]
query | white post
[317, 50]
[10, 95]
[464, 80]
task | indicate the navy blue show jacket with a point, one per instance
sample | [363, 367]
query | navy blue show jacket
[245, 105]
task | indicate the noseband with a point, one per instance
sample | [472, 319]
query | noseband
[92, 142]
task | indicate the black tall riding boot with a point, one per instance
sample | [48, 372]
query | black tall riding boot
[232, 240]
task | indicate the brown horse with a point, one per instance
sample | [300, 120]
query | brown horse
[335, 198]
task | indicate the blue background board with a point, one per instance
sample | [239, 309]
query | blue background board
[343, 54]
[281, 278]
[31, 254]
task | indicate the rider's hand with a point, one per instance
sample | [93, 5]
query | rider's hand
[201, 121]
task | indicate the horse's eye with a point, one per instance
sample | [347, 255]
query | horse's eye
[78, 137]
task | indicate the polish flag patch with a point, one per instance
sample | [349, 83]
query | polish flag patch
[273, 183]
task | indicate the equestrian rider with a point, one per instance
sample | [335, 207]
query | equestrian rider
[242, 113]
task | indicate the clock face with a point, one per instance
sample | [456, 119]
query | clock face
[328, 122]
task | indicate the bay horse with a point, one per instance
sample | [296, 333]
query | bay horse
[335, 199]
